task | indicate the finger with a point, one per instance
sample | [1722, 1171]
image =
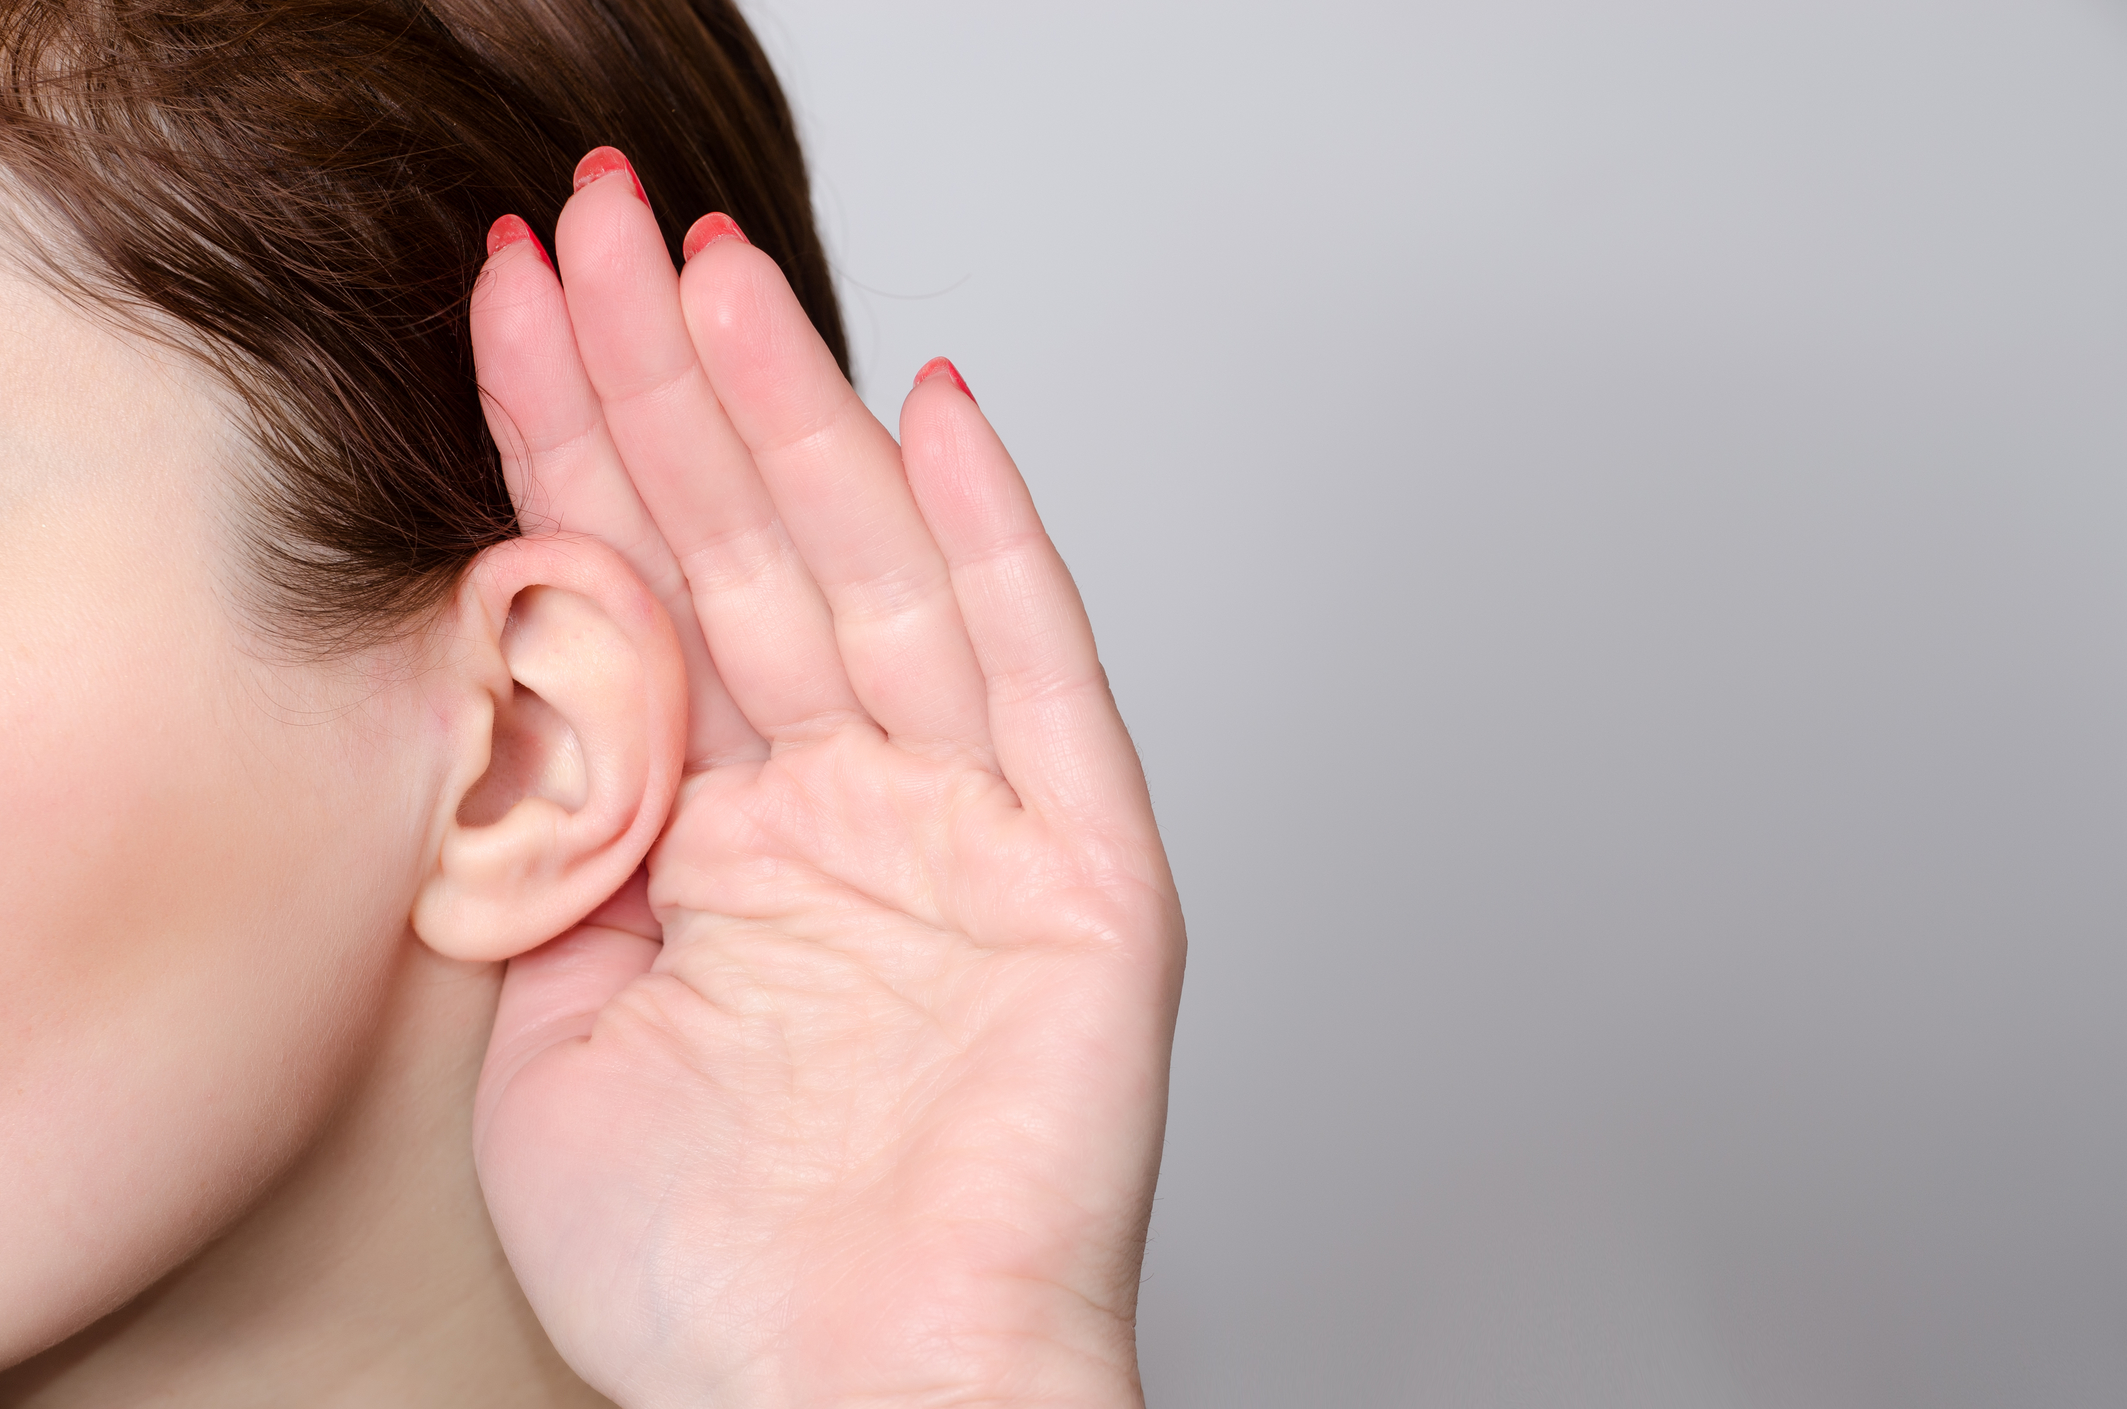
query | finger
[1060, 742]
[768, 627]
[563, 471]
[835, 477]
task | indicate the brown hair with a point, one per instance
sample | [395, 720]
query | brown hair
[298, 191]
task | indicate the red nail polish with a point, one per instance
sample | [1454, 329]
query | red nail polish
[604, 161]
[939, 367]
[708, 230]
[510, 230]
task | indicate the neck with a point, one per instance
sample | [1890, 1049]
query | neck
[368, 1275]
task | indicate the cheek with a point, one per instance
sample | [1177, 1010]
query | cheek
[203, 900]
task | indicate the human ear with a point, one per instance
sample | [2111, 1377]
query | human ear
[564, 699]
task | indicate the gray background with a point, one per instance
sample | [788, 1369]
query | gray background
[1609, 524]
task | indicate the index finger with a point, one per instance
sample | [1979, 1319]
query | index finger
[564, 473]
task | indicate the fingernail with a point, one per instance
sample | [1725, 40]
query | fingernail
[509, 230]
[939, 367]
[604, 161]
[708, 230]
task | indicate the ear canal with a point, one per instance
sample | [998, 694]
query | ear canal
[536, 754]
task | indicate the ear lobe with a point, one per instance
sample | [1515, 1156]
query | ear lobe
[565, 702]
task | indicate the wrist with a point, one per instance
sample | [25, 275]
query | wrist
[938, 1366]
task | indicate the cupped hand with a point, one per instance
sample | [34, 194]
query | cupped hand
[864, 1105]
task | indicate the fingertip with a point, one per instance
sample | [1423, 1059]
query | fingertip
[942, 367]
[763, 355]
[738, 305]
[708, 230]
[724, 269]
[605, 161]
[512, 230]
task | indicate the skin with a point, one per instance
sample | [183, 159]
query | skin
[866, 1109]
[852, 1094]
[216, 1021]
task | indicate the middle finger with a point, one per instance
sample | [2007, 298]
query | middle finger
[835, 476]
[768, 626]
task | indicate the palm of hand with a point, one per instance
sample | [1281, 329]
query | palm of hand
[870, 1111]
[851, 1104]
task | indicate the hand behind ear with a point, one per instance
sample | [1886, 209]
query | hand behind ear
[873, 1116]
[566, 704]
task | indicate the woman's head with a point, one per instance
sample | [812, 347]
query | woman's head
[296, 192]
[276, 674]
